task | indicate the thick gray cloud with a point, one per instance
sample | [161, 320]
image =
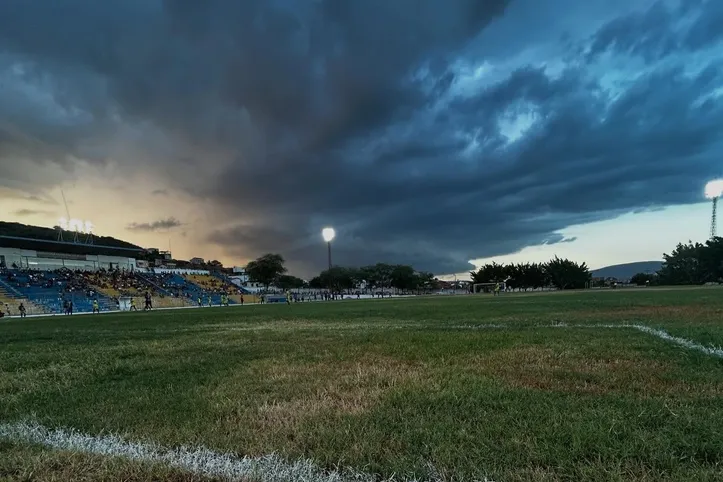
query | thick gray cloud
[400, 123]
[160, 225]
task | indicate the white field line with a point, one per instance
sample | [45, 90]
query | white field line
[662, 334]
[200, 461]
[684, 342]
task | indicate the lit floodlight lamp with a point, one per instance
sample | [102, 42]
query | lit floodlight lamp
[714, 189]
[328, 234]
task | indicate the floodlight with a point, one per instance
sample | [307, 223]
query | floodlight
[714, 189]
[328, 234]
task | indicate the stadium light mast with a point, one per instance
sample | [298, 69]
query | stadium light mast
[328, 234]
[713, 191]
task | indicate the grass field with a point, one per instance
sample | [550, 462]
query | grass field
[455, 388]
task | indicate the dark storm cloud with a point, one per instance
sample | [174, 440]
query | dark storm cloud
[160, 225]
[294, 115]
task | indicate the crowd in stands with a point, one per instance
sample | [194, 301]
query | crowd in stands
[117, 282]
[63, 280]
[213, 285]
[114, 283]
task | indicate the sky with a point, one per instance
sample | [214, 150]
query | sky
[440, 134]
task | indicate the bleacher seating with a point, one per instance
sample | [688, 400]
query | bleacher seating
[193, 291]
[46, 291]
[11, 306]
[49, 289]
[232, 287]
[214, 286]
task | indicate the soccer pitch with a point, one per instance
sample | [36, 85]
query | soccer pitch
[622, 385]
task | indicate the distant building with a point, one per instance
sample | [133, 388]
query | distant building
[196, 261]
[240, 274]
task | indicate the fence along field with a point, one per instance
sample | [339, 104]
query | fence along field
[516, 387]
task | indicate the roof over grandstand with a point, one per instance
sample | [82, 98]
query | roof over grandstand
[42, 245]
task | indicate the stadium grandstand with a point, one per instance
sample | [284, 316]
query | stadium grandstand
[50, 277]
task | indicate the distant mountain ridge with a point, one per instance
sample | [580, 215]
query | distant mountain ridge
[49, 234]
[627, 270]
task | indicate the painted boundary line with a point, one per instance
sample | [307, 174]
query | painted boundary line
[661, 334]
[199, 461]
[664, 335]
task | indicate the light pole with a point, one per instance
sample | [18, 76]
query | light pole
[713, 191]
[329, 234]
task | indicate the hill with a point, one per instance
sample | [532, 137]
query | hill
[627, 270]
[49, 234]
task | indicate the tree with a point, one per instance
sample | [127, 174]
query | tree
[403, 277]
[377, 276]
[566, 274]
[537, 276]
[711, 259]
[693, 263]
[215, 265]
[338, 278]
[489, 273]
[683, 265]
[426, 281]
[266, 269]
[516, 276]
[288, 282]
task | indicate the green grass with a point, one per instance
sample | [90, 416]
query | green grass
[389, 387]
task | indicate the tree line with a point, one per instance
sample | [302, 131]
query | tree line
[270, 270]
[377, 276]
[560, 273]
[688, 264]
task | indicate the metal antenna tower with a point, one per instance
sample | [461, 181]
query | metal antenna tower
[67, 213]
[713, 219]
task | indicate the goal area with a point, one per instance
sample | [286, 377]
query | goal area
[486, 287]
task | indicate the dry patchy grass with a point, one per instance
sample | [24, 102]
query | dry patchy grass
[544, 368]
[292, 394]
